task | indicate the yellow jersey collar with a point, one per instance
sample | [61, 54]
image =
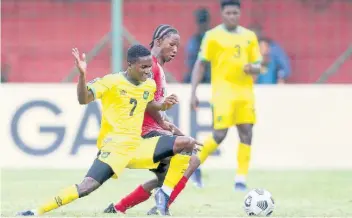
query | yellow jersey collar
[238, 30]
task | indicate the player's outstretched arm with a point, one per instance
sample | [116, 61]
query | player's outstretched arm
[83, 94]
[157, 116]
[174, 129]
[166, 105]
[256, 64]
[197, 76]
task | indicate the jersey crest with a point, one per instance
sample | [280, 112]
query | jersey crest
[146, 95]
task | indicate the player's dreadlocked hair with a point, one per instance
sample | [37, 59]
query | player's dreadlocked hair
[161, 31]
[225, 3]
[135, 52]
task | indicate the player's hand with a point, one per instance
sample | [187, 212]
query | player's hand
[194, 102]
[248, 68]
[169, 102]
[80, 63]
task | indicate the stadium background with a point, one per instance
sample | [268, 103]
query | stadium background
[303, 133]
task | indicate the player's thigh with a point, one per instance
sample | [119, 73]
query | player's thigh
[100, 171]
[164, 148]
[223, 114]
[245, 113]
[143, 158]
[152, 151]
[115, 159]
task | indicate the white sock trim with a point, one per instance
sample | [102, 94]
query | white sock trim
[167, 190]
[240, 178]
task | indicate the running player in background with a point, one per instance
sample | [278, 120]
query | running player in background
[164, 46]
[125, 97]
[234, 55]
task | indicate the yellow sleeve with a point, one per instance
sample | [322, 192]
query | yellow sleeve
[207, 48]
[254, 50]
[151, 97]
[99, 86]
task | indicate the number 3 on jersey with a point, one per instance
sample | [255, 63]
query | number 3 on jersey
[237, 51]
[134, 102]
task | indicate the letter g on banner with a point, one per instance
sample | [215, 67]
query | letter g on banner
[58, 131]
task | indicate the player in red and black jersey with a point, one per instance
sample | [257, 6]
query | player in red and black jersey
[164, 46]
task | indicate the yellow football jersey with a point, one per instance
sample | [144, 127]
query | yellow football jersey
[228, 53]
[123, 107]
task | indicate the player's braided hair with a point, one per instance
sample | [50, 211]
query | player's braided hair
[225, 3]
[135, 52]
[161, 31]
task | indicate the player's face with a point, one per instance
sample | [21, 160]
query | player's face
[231, 15]
[142, 68]
[169, 47]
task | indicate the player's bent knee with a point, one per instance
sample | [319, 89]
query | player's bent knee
[219, 135]
[190, 145]
[87, 186]
[183, 144]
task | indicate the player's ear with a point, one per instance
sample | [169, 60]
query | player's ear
[129, 65]
[158, 42]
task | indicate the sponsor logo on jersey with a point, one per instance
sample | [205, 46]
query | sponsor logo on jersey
[123, 92]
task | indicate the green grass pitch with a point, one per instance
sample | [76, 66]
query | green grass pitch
[296, 193]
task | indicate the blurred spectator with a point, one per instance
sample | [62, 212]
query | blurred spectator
[5, 68]
[202, 20]
[278, 68]
[3, 77]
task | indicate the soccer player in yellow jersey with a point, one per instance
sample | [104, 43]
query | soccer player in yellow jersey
[125, 97]
[234, 55]
[164, 47]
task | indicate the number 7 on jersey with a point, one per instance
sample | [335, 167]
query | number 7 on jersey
[134, 102]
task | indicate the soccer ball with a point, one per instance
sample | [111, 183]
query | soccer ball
[258, 202]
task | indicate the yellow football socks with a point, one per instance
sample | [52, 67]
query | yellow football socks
[243, 158]
[178, 165]
[66, 196]
[208, 148]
